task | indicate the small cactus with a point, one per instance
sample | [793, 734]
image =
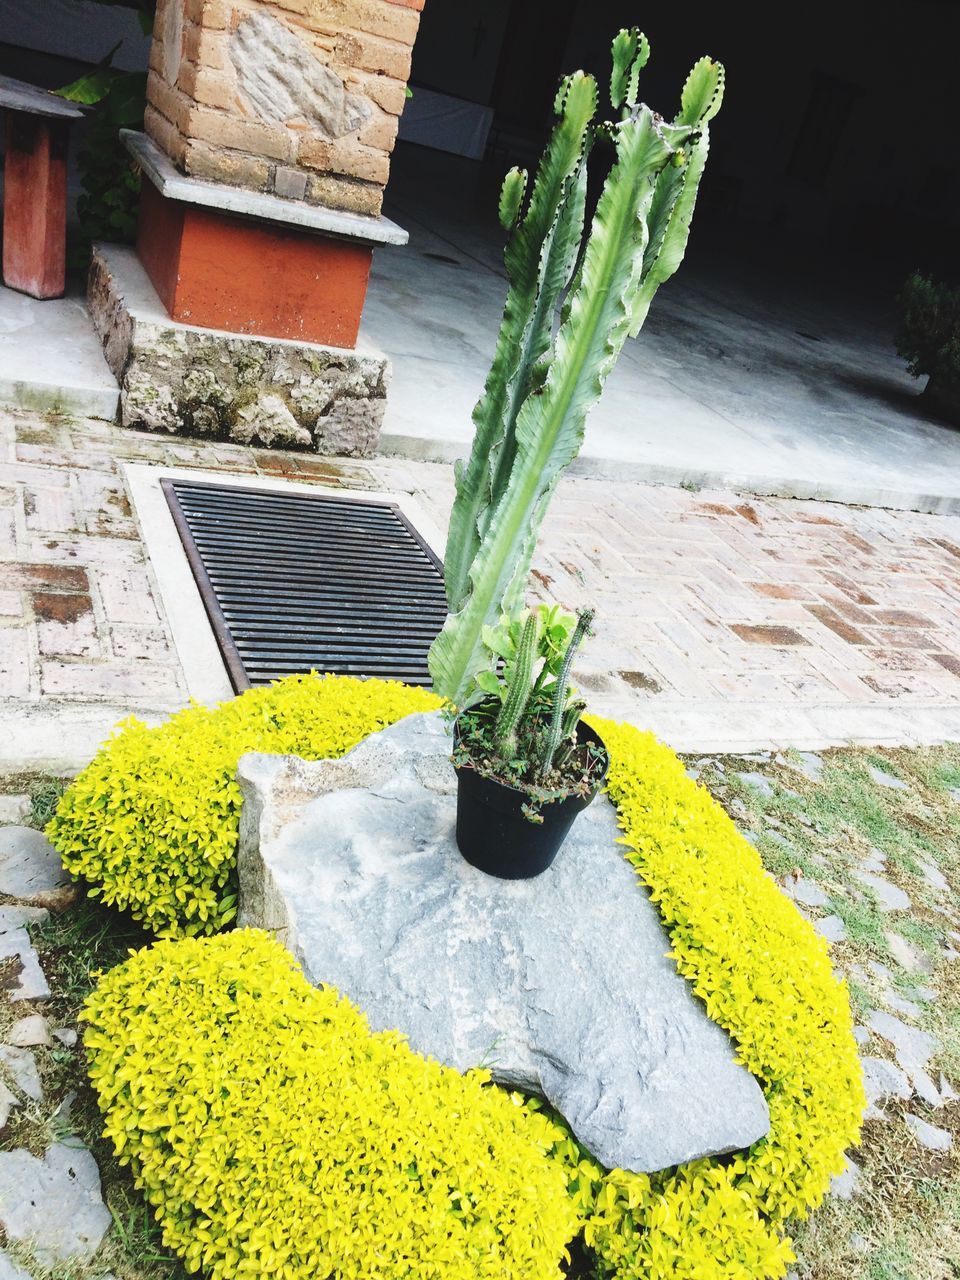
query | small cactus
[561, 723]
[519, 687]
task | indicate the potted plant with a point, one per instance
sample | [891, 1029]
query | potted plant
[526, 764]
[577, 288]
[929, 339]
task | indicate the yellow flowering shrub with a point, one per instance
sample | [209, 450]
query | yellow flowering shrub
[152, 822]
[764, 974]
[275, 1135]
[153, 825]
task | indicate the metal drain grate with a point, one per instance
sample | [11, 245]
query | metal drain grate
[300, 582]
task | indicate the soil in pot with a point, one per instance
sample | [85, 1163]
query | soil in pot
[514, 827]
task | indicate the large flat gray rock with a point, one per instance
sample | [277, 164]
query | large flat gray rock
[560, 985]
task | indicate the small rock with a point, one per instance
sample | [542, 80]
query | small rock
[805, 891]
[30, 867]
[9, 1269]
[883, 1079]
[66, 1035]
[845, 1185]
[913, 1047]
[758, 781]
[947, 1091]
[31, 1030]
[861, 1035]
[831, 928]
[55, 1203]
[884, 779]
[860, 1243]
[14, 808]
[21, 1066]
[928, 1135]
[935, 877]
[888, 895]
[8, 1101]
[926, 994]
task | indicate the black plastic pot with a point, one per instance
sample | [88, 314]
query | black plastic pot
[492, 832]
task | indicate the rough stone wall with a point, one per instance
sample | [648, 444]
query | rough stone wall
[301, 98]
[201, 382]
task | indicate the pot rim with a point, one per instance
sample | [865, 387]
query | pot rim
[521, 791]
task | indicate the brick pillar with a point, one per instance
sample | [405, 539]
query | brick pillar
[300, 98]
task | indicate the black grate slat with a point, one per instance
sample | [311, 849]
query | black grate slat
[304, 582]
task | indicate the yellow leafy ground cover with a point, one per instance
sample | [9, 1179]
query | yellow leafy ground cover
[759, 967]
[275, 1135]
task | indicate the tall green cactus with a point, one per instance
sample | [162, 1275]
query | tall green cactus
[545, 378]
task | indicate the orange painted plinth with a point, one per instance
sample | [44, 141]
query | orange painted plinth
[226, 272]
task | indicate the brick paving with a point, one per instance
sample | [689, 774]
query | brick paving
[723, 623]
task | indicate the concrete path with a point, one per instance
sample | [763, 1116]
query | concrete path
[51, 358]
[723, 623]
[753, 371]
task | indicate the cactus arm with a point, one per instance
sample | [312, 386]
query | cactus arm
[550, 425]
[523, 258]
[519, 687]
[511, 197]
[630, 53]
[561, 691]
[676, 196]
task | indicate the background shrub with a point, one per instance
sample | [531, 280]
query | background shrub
[152, 823]
[275, 1135]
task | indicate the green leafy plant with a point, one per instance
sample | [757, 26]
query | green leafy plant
[575, 293]
[107, 207]
[523, 732]
[928, 337]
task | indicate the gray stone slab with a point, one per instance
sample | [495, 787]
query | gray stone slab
[884, 779]
[30, 867]
[810, 764]
[54, 1204]
[14, 808]
[846, 1185]
[900, 1004]
[907, 955]
[20, 1067]
[170, 182]
[29, 982]
[8, 1101]
[806, 892]
[562, 984]
[10, 1270]
[928, 1135]
[758, 782]
[934, 877]
[889, 896]
[831, 928]
[883, 1079]
[17, 95]
[913, 1047]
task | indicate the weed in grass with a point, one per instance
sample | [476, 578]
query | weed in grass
[45, 793]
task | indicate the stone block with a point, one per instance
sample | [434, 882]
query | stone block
[281, 79]
[208, 87]
[169, 101]
[186, 380]
[291, 184]
[206, 48]
[217, 164]
[562, 985]
[270, 141]
[165, 134]
[388, 94]
[370, 53]
[352, 160]
[345, 193]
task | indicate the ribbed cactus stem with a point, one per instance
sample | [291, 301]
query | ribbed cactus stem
[561, 692]
[518, 690]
